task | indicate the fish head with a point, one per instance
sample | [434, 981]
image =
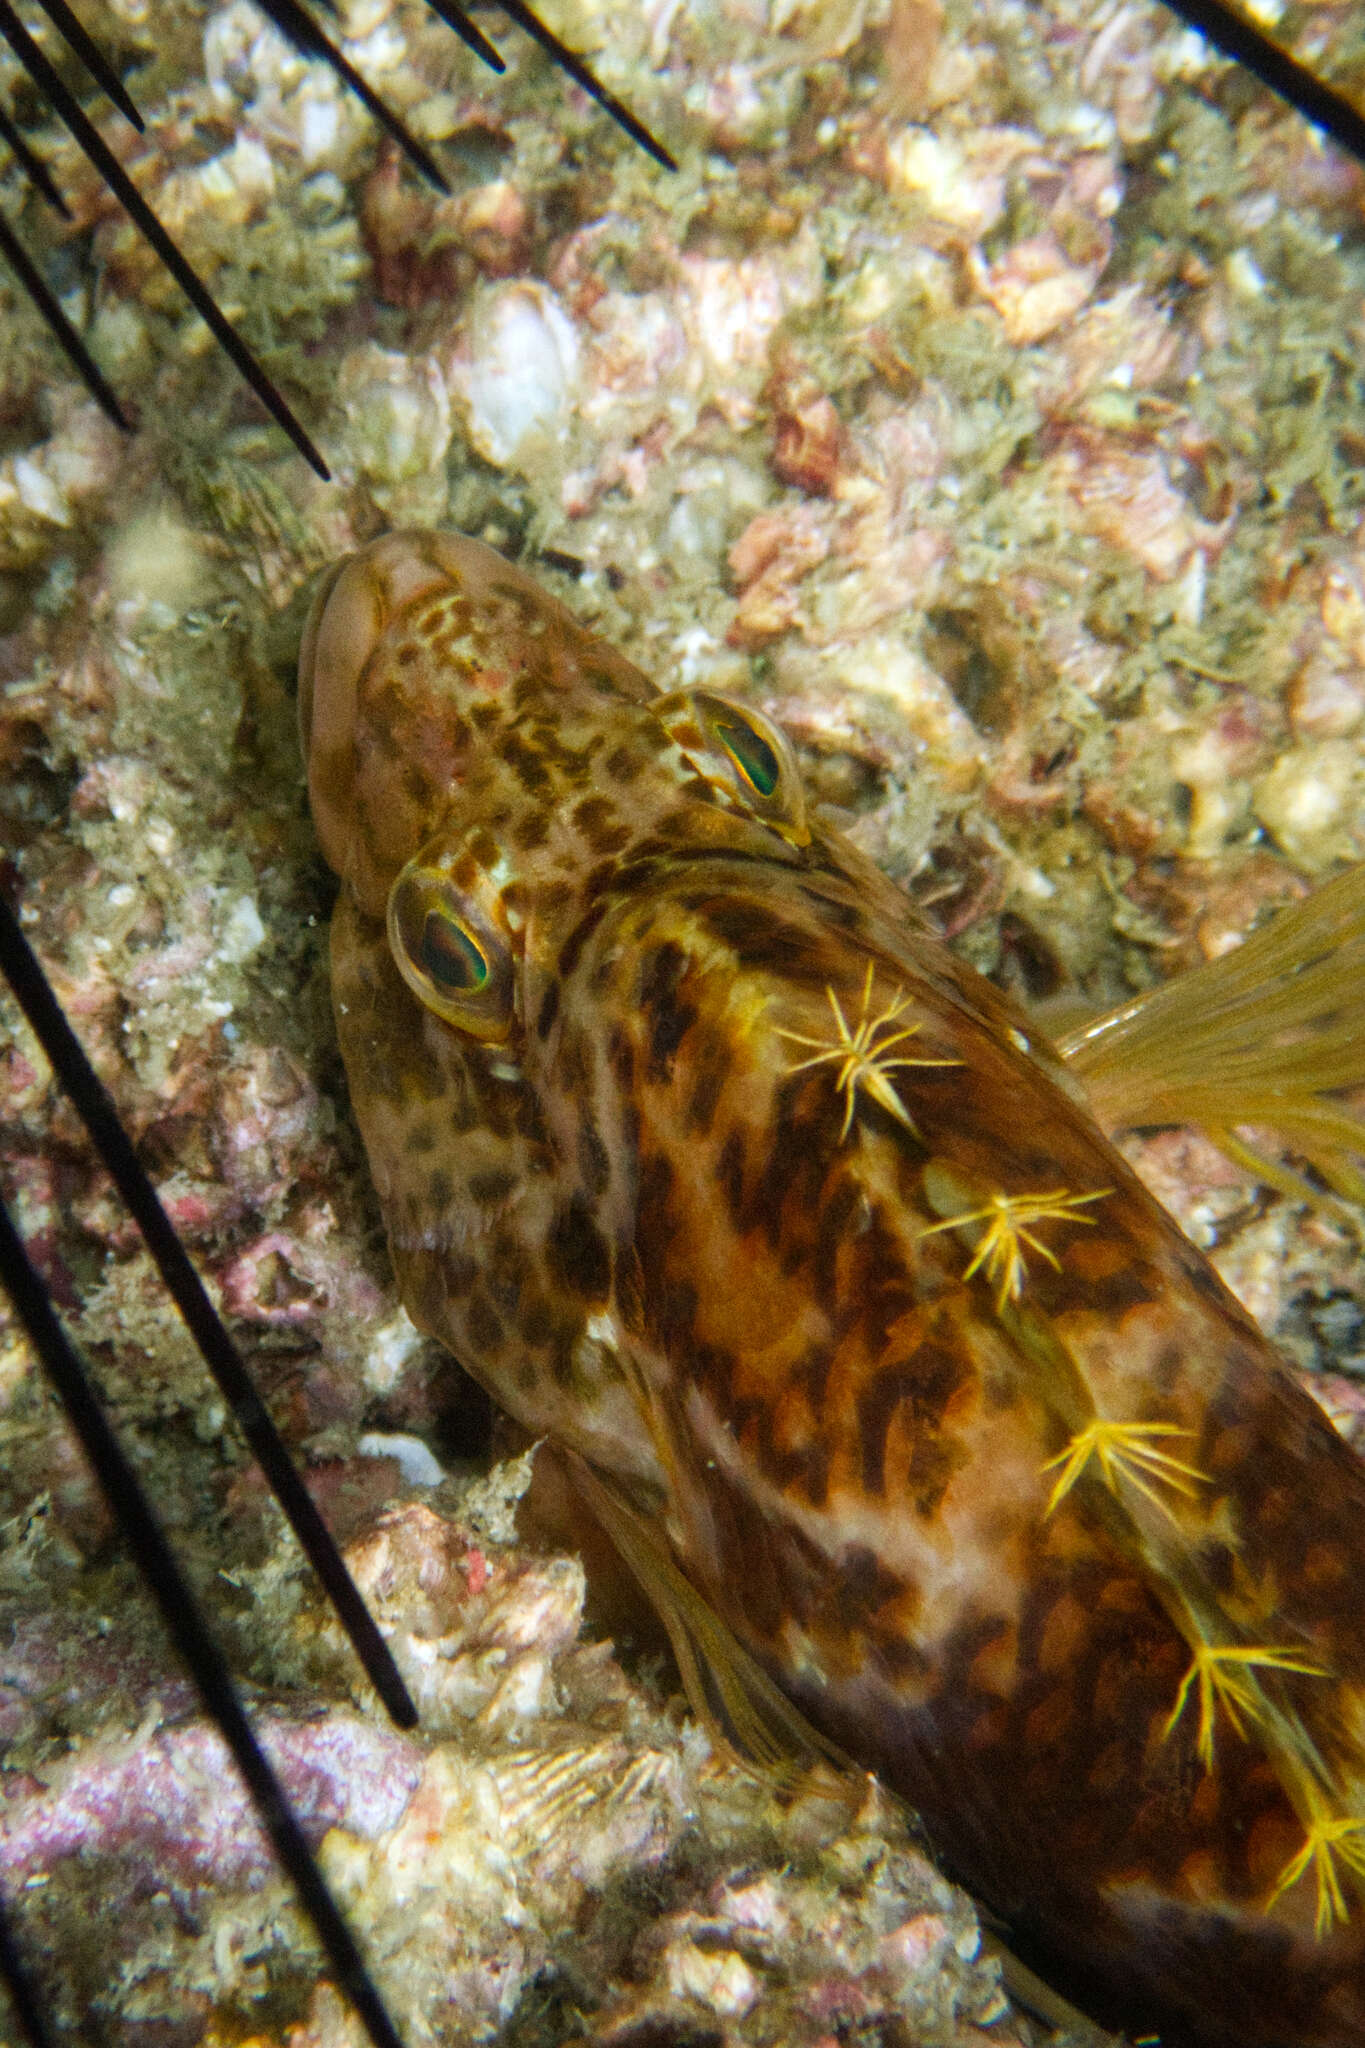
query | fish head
[517, 816]
[482, 769]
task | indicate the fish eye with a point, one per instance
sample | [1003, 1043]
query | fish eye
[754, 758]
[748, 749]
[448, 953]
[453, 958]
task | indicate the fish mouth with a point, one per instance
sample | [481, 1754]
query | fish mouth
[352, 610]
[308, 648]
[352, 606]
[402, 637]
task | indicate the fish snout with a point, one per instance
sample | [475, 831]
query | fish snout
[351, 612]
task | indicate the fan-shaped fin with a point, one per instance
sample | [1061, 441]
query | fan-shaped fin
[1269, 1035]
[727, 1689]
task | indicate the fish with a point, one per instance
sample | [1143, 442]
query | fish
[935, 1440]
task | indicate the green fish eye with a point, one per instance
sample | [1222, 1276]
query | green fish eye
[454, 960]
[450, 950]
[749, 751]
[744, 758]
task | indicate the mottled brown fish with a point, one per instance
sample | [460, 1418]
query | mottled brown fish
[716, 1167]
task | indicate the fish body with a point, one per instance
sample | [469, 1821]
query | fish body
[702, 1153]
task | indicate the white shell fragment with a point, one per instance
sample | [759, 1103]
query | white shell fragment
[522, 373]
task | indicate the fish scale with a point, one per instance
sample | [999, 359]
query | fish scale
[716, 1168]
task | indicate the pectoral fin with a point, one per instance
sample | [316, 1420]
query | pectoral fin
[727, 1689]
[1272, 1035]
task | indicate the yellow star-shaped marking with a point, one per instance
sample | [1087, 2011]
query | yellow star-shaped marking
[1331, 1839]
[863, 1057]
[1222, 1671]
[1008, 1219]
[1124, 1450]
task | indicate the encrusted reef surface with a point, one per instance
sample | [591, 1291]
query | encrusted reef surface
[982, 398]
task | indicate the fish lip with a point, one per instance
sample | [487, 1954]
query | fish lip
[308, 648]
[392, 571]
[353, 607]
